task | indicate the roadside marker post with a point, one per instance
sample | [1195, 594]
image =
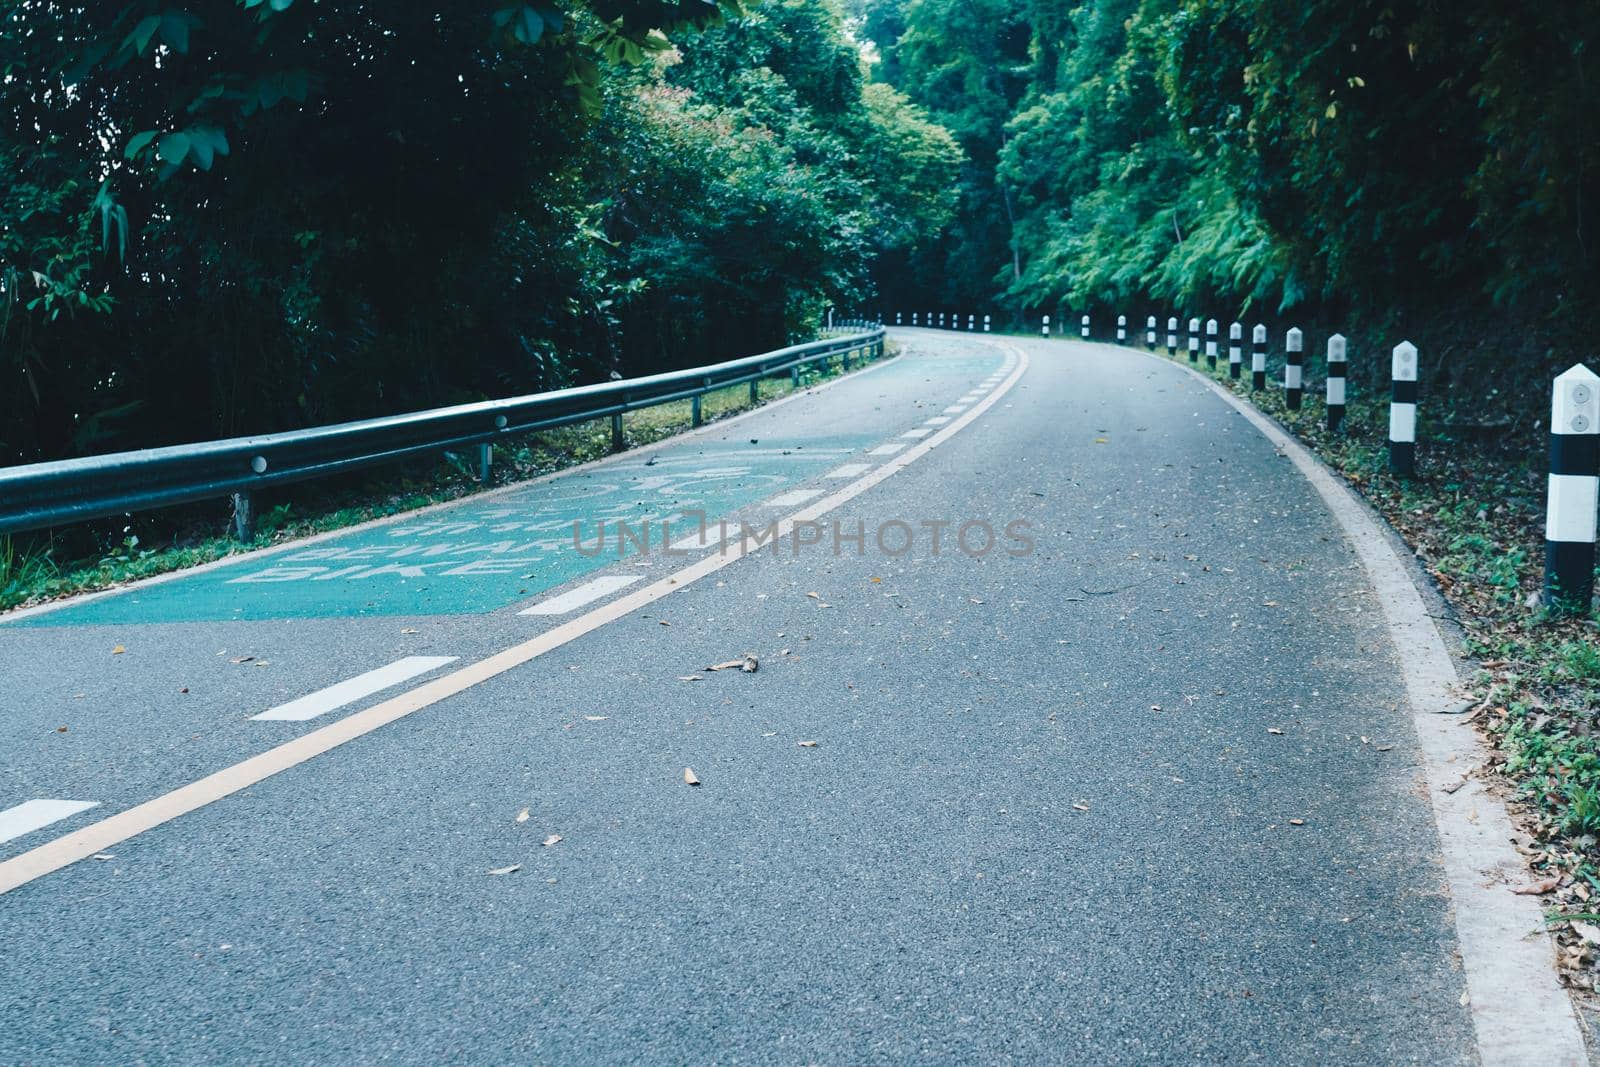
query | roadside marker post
[897, 318]
[972, 322]
[1403, 410]
[1194, 340]
[1150, 332]
[1574, 492]
[1047, 325]
[1211, 344]
[1086, 327]
[1294, 368]
[1122, 328]
[1337, 365]
[1235, 350]
[1258, 358]
[1172, 336]
[986, 324]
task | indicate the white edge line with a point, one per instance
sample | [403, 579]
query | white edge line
[1520, 1013]
[256, 555]
[63, 851]
[351, 690]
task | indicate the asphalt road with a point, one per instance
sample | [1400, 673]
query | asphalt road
[1145, 790]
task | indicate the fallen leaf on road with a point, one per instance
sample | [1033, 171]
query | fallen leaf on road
[597, 718]
[772, 734]
[1080, 806]
[808, 744]
[1457, 784]
[513, 869]
[553, 839]
[1544, 885]
[262, 663]
[1385, 748]
[522, 816]
[411, 630]
[1297, 822]
[119, 650]
[691, 677]
[814, 596]
[61, 729]
[241, 659]
[109, 856]
[726, 665]
[750, 665]
[1273, 730]
[689, 777]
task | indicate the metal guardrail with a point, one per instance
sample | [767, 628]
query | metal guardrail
[40, 495]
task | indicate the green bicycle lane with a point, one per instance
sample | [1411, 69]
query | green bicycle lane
[114, 698]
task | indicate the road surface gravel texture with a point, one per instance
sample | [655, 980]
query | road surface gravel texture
[1148, 792]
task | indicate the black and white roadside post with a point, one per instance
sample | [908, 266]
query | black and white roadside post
[1172, 335]
[897, 318]
[1211, 344]
[1122, 328]
[986, 324]
[1150, 331]
[972, 323]
[1194, 340]
[1294, 368]
[1337, 364]
[1047, 325]
[1258, 358]
[1086, 327]
[1235, 350]
[941, 320]
[1403, 410]
[913, 318]
[1574, 493]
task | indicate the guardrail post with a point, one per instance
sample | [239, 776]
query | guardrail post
[1122, 328]
[485, 461]
[694, 410]
[1235, 350]
[1258, 358]
[1194, 340]
[1403, 410]
[1337, 365]
[1172, 335]
[617, 441]
[1294, 369]
[1150, 332]
[1211, 344]
[1574, 491]
[244, 517]
[1047, 325]
[1086, 327]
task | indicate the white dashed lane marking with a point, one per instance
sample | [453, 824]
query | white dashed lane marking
[920, 431]
[849, 470]
[709, 537]
[794, 496]
[574, 599]
[33, 815]
[353, 689]
[887, 450]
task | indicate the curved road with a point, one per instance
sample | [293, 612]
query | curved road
[1138, 783]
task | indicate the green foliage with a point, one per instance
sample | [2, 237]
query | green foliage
[1249, 152]
[232, 216]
